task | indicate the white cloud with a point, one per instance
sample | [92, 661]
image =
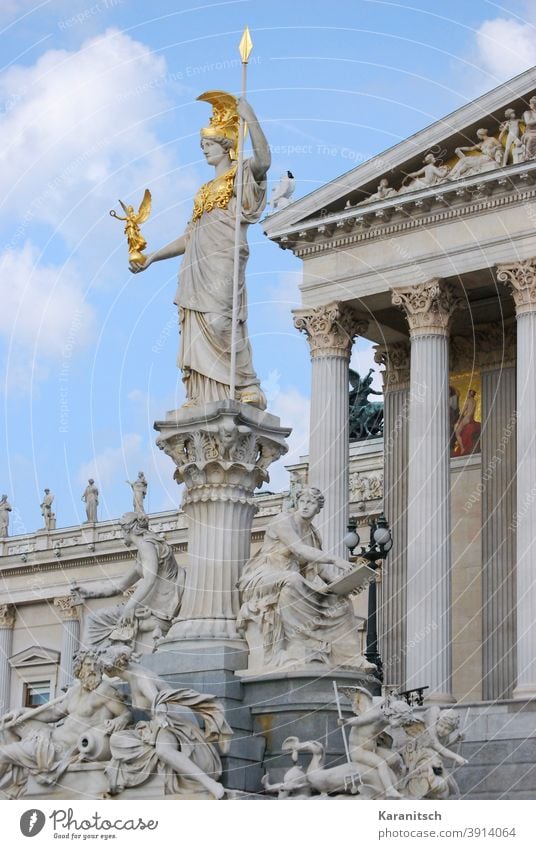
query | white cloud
[285, 296]
[293, 410]
[505, 47]
[44, 315]
[78, 130]
[106, 466]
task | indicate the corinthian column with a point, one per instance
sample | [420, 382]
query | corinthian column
[7, 620]
[520, 278]
[70, 642]
[222, 452]
[330, 331]
[428, 307]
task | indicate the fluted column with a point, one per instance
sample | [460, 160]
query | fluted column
[7, 621]
[520, 278]
[222, 452]
[392, 607]
[330, 331]
[428, 307]
[70, 642]
[498, 447]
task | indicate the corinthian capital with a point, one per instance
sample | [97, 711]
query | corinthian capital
[66, 607]
[7, 616]
[520, 278]
[396, 358]
[330, 329]
[428, 306]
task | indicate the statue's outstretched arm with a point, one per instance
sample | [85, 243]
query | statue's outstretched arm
[262, 158]
[175, 248]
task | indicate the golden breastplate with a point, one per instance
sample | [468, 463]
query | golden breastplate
[217, 192]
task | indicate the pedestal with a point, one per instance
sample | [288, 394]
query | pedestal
[222, 452]
[301, 703]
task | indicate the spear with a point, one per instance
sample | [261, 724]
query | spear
[245, 47]
[351, 777]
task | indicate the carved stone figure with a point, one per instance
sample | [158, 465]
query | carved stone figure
[205, 293]
[383, 191]
[158, 583]
[430, 739]
[295, 784]
[529, 136]
[91, 497]
[366, 418]
[369, 741]
[49, 517]
[283, 191]
[485, 155]
[171, 741]
[288, 614]
[139, 491]
[5, 510]
[327, 781]
[510, 136]
[429, 175]
[44, 741]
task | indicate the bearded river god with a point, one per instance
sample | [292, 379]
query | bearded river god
[205, 293]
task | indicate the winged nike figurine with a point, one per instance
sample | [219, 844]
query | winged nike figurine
[136, 242]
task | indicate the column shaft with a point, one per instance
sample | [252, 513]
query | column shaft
[498, 443]
[428, 659]
[393, 584]
[6, 650]
[525, 519]
[520, 278]
[329, 447]
[70, 644]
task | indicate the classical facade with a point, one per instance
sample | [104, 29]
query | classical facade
[429, 252]
[437, 266]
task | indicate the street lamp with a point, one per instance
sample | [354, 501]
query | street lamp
[380, 544]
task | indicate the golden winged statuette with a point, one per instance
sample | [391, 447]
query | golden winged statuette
[136, 242]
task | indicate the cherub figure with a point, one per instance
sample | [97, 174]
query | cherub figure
[136, 242]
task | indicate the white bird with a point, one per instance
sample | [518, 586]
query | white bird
[282, 192]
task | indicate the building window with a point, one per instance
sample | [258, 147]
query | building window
[37, 693]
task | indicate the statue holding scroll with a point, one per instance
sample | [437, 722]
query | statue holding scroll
[290, 613]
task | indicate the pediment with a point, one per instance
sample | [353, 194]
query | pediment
[385, 179]
[34, 656]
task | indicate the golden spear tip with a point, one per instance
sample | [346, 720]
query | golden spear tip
[246, 45]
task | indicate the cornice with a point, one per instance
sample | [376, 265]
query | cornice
[398, 215]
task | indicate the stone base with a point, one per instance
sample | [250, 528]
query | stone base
[210, 668]
[301, 703]
[88, 781]
[500, 745]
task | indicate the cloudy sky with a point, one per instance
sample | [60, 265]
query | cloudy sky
[97, 102]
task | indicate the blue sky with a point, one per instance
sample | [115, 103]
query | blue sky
[97, 102]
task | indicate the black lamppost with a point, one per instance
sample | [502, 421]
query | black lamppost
[380, 544]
